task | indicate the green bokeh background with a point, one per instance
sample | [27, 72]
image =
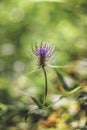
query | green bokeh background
[25, 23]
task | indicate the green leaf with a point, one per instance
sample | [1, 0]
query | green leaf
[54, 66]
[65, 86]
[37, 102]
[33, 71]
[66, 94]
[33, 98]
[62, 81]
[73, 91]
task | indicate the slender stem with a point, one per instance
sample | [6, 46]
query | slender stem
[45, 76]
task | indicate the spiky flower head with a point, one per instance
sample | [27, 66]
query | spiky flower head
[44, 53]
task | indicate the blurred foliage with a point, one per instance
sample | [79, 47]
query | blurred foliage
[22, 25]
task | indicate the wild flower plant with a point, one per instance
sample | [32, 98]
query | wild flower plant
[44, 53]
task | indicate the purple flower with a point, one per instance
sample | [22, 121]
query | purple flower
[44, 53]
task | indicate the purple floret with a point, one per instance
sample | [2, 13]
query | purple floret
[43, 53]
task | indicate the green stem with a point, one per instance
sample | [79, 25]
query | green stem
[45, 94]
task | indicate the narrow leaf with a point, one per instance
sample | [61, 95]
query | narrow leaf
[73, 91]
[66, 94]
[33, 71]
[33, 98]
[62, 81]
[53, 66]
[37, 102]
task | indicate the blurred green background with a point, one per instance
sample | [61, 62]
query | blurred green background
[23, 24]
